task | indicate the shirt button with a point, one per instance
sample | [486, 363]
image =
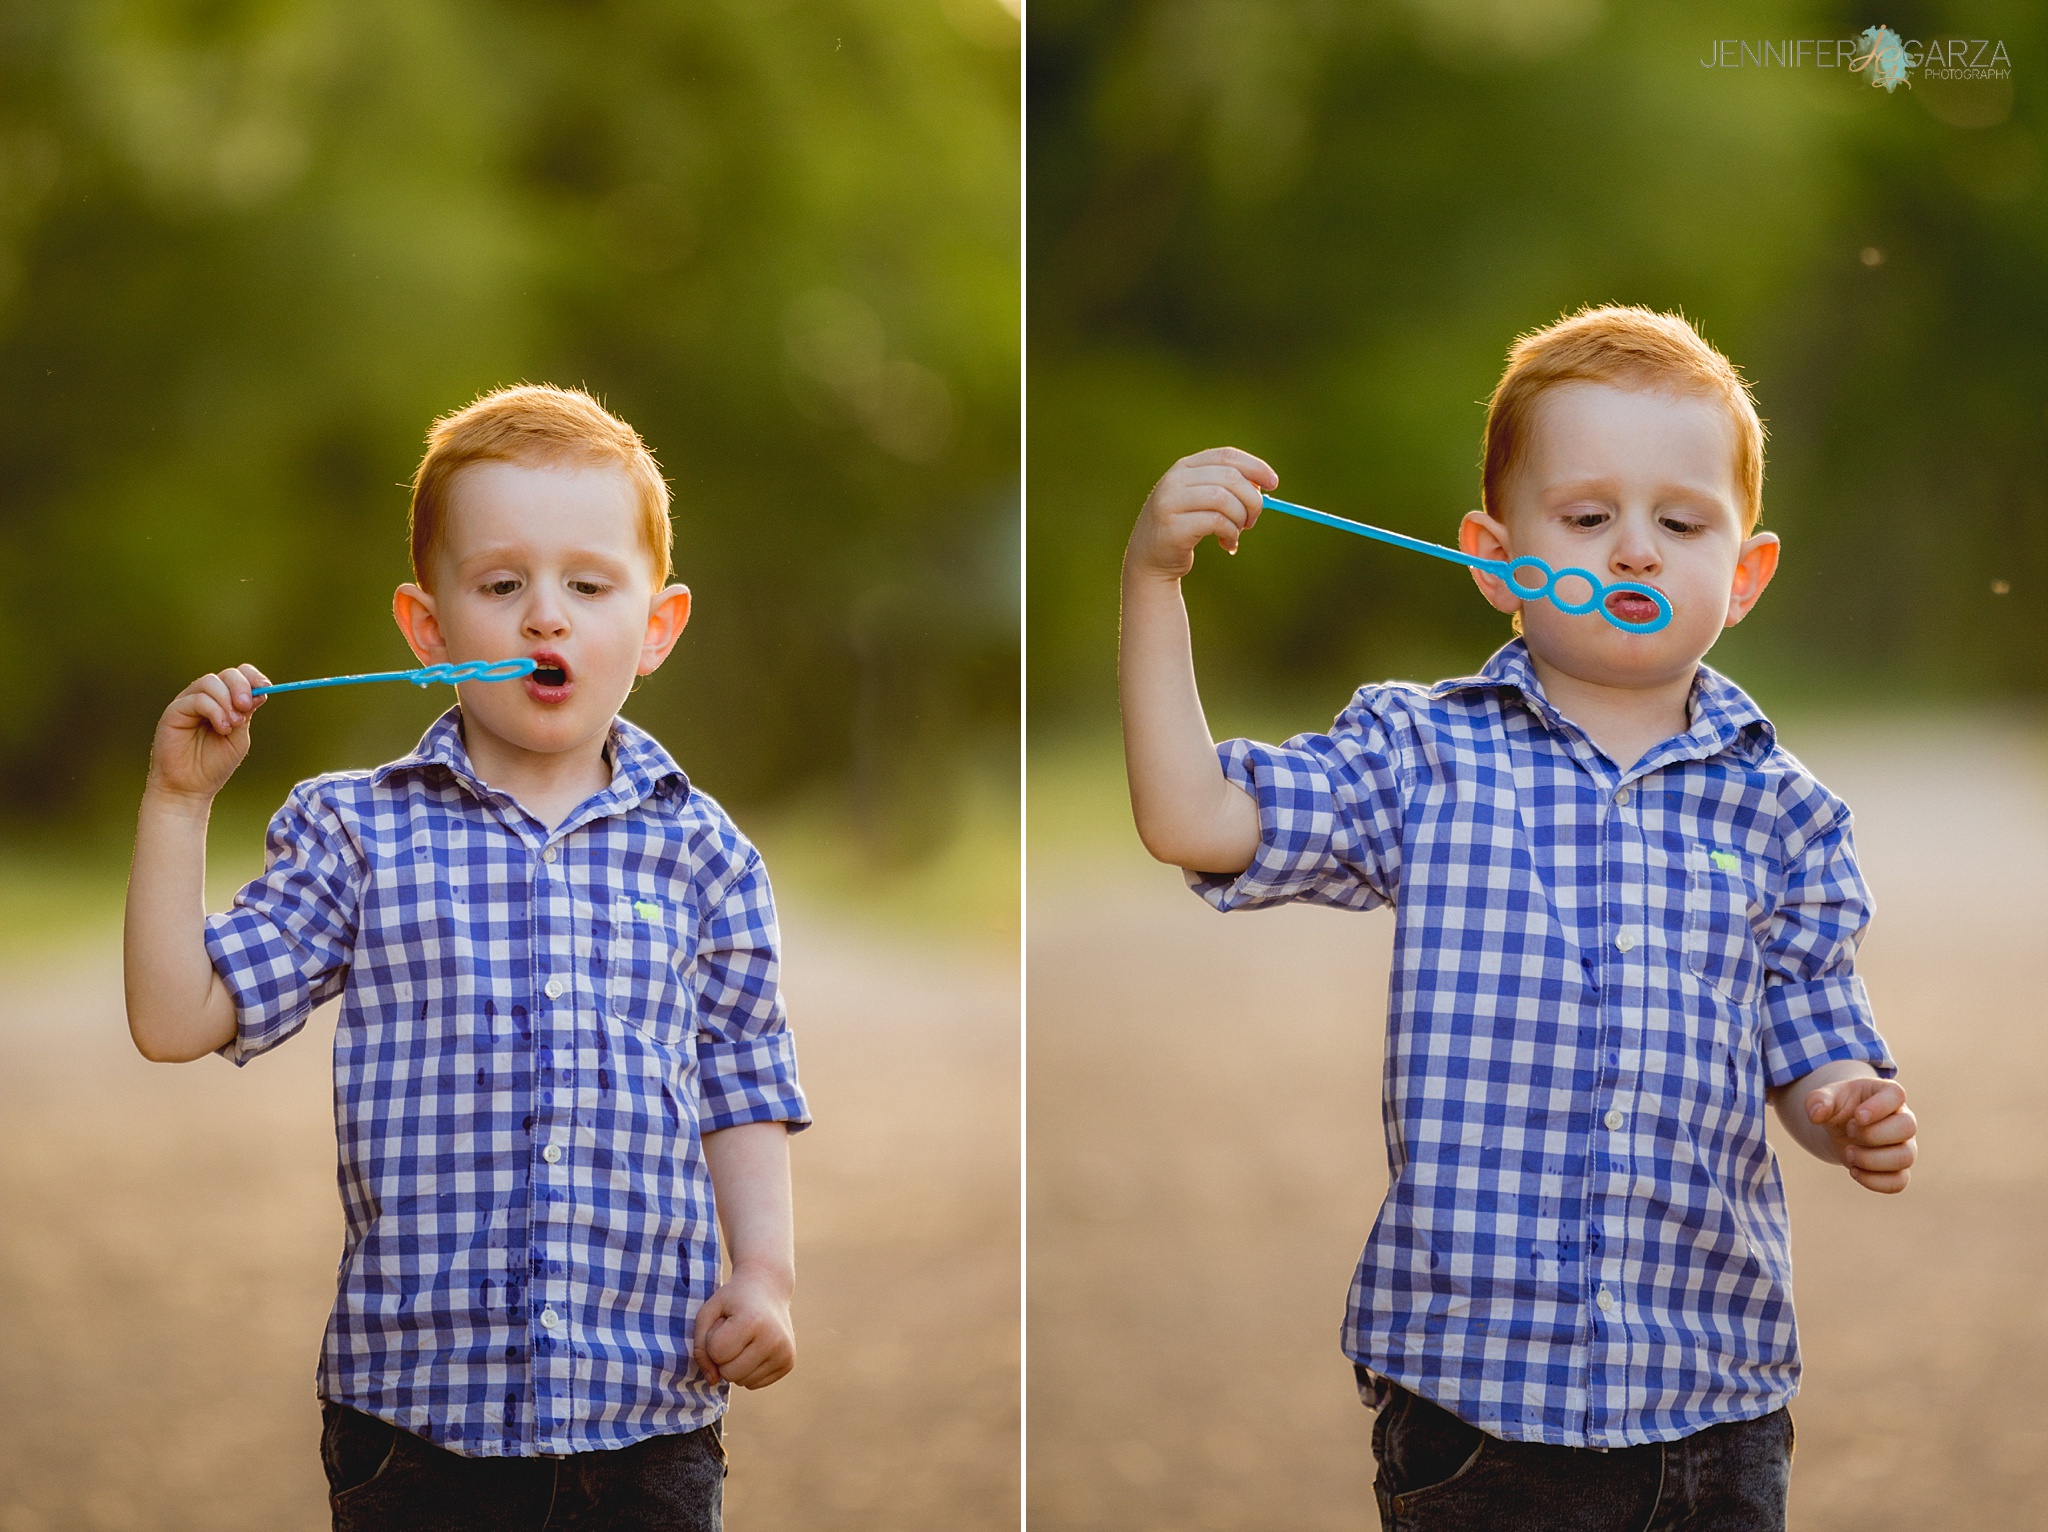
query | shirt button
[549, 1321]
[553, 988]
[1621, 796]
[548, 855]
[1623, 943]
[552, 1154]
[1614, 1120]
[1605, 1300]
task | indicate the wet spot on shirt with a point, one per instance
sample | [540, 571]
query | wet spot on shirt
[481, 1076]
[604, 1080]
[490, 1010]
[526, 1124]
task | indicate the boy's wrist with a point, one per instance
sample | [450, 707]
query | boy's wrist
[176, 802]
[775, 1277]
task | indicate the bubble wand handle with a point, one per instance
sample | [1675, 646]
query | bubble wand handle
[1510, 570]
[426, 675]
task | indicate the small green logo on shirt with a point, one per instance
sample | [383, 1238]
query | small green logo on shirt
[1725, 860]
[646, 909]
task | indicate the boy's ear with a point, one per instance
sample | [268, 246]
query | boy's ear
[666, 619]
[1483, 537]
[413, 610]
[1754, 566]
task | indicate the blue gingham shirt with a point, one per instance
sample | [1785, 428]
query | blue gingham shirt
[1598, 973]
[537, 1028]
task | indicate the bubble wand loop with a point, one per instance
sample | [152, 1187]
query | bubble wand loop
[426, 675]
[1509, 570]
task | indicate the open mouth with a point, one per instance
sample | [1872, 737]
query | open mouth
[550, 672]
[1632, 606]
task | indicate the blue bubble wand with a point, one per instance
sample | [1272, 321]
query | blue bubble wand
[1509, 570]
[426, 675]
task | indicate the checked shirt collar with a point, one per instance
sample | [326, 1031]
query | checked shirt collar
[1723, 717]
[641, 769]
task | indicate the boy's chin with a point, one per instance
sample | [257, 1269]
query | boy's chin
[1608, 656]
[540, 729]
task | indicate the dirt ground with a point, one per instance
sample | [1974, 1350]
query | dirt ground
[168, 1238]
[1206, 1159]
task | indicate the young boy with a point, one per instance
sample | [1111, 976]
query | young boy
[1625, 920]
[561, 1051]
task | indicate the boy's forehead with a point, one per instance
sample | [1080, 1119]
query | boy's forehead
[1584, 427]
[496, 502]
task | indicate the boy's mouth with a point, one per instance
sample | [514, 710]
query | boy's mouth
[550, 679]
[1630, 606]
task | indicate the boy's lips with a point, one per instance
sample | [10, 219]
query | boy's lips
[1630, 606]
[550, 681]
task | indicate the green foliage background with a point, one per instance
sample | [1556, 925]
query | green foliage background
[249, 248]
[1311, 229]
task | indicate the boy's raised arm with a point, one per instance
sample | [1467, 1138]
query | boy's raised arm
[178, 1008]
[1186, 811]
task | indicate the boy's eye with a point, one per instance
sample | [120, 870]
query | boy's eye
[1587, 519]
[1681, 526]
[588, 587]
[501, 587]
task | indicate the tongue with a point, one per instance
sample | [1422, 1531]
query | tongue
[1632, 607]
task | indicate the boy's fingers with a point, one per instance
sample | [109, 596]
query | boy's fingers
[1887, 1157]
[1886, 1098]
[1826, 1104]
[728, 1340]
[708, 1319]
[1898, 1128]
[758, 1366]
[1225, 530]
[1211, 497]
[1236, 484]
[1255, 469]
[1882, 1181]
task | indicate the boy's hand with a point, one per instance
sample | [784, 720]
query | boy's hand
[743, 1333]
[204, 733]
[1213, 493]
[1871, 1129]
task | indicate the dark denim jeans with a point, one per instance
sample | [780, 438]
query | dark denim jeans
[1438, 1474]
[382, 1479]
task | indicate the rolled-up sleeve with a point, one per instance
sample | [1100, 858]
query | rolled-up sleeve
[746, 1058]
[1330, 815]
[1815, 1008]
[286, 944]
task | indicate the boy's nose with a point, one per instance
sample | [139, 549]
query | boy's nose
[1635, 556]
[544, 620]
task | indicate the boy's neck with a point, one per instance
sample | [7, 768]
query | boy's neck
[547, 784]
[1625, 722]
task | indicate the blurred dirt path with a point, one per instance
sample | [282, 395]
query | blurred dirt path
[1206, 1160]
[168, 1238]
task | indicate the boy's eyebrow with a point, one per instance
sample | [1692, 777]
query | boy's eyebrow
[516, 553]
[1669, 489]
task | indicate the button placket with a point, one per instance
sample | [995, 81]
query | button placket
[553, 1193]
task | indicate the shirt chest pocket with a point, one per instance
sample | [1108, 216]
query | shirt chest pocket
[1721, 902]
[644, 957]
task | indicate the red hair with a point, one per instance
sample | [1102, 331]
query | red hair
[535, 424]
[1634, 348]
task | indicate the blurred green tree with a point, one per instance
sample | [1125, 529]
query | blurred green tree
[249, 248]
[1312, 230]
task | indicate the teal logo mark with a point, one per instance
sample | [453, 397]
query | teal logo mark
[1884, 56]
